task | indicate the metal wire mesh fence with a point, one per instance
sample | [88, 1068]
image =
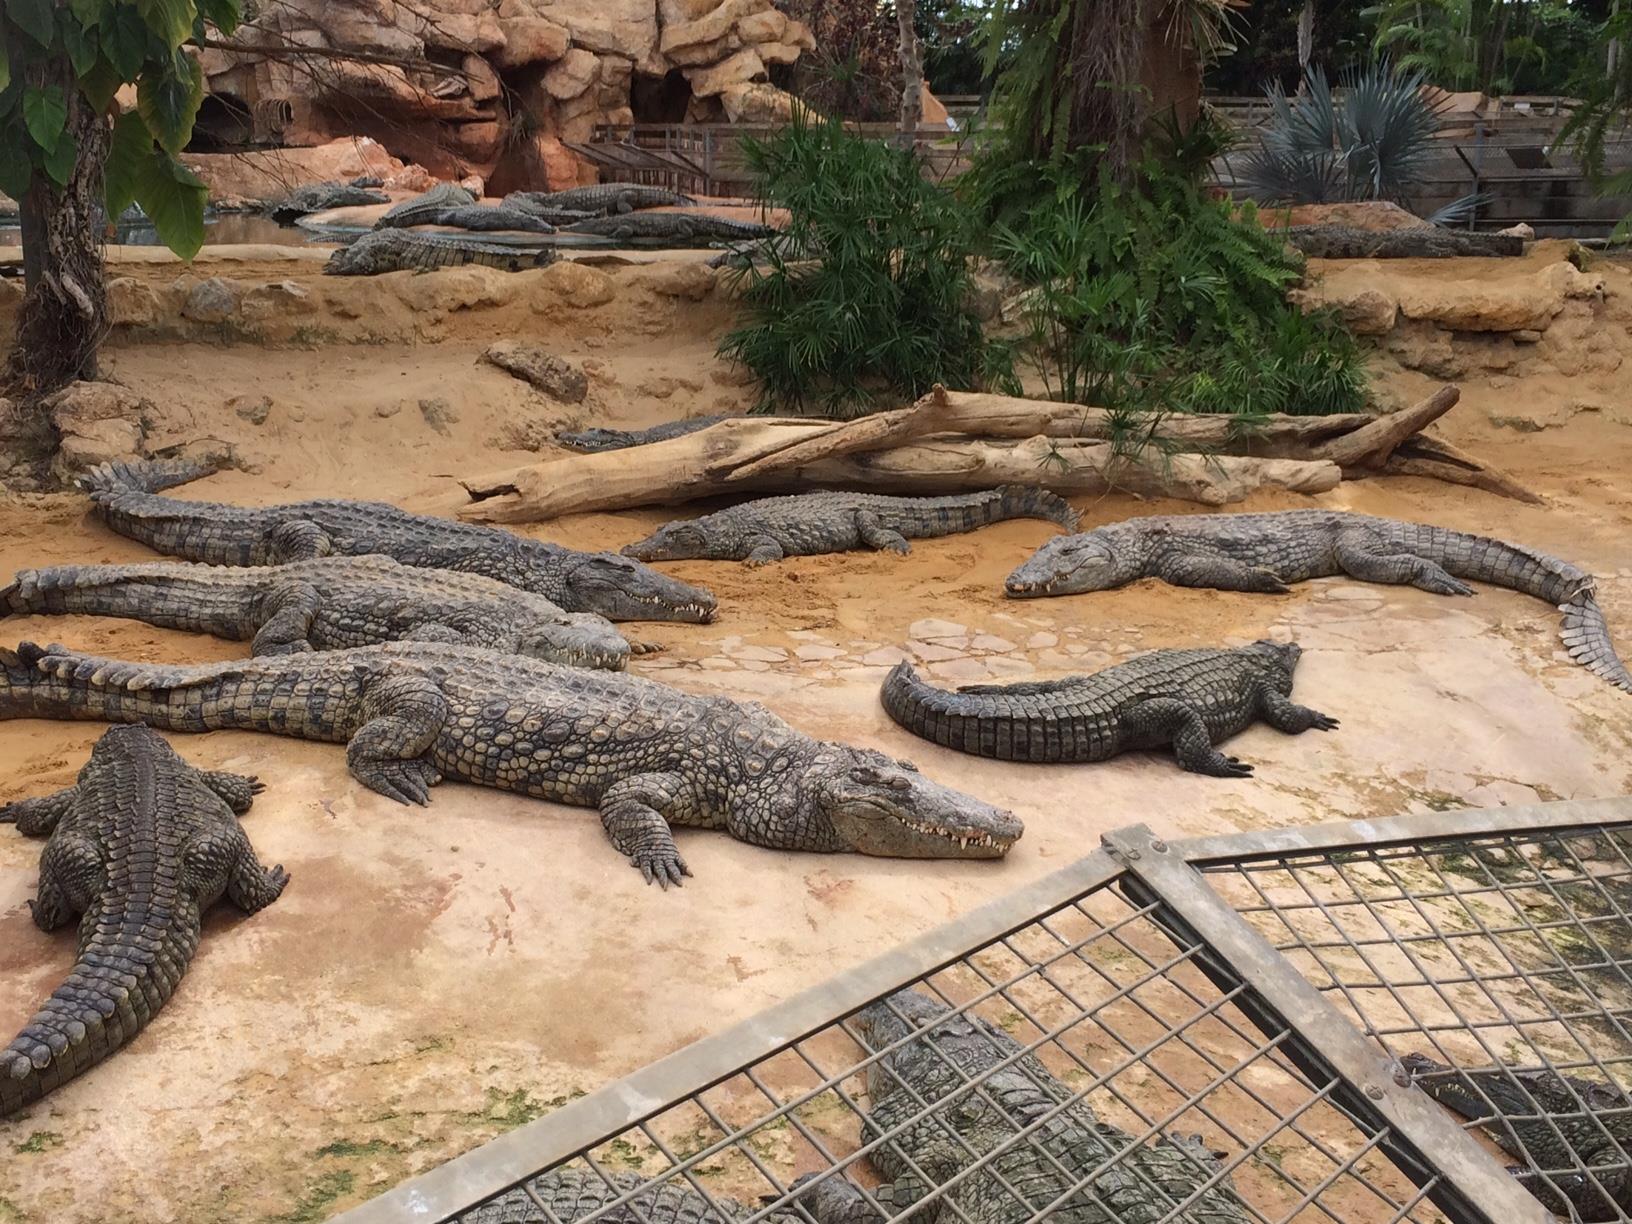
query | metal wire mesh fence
[1224, 1031]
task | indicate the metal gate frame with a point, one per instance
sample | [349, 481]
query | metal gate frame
[1468, 1184]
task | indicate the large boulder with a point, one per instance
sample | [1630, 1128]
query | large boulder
[531, 40]
[98, 423]
[739, 69]
[572, 75]
[609, 27]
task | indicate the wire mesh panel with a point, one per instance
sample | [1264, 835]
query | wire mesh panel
[1079, 1069]
[1497, 968]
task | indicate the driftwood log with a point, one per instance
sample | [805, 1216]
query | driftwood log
[957, 441]
[1347, 242]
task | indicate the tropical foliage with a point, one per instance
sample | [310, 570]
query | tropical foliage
[1497, 46]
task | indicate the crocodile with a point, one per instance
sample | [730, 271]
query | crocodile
[124, 495]
[399, 250]
[571, 1193]
[809, 524]
[330, 603]
[140, 846]
[668, 227]
[1190, 699]
[1557, 1125]
[960, 1111]
[319, 197]
[606, 199]
[420, 209]
[620, 439]
[1266, 552]
[646, 755]
[490, 217]
[531, 203]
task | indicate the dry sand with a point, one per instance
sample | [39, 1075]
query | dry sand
[432, 977]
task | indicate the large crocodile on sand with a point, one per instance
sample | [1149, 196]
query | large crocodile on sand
[809, 524]
[140, 846]
[331, 603]
[1014, 1145]
[602, 200]
[649, 757]
[125, 496]
[1191, 699]
[572, 1193]
[596, 439]
[1267, 552]
[399, 250]
[1559, 1126]
[670, 228]
[423, 207]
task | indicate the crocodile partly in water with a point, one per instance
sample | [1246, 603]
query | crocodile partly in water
[331, 603]
[808, 524]
[955, 1106]
[648, 756]
[1189, 699]
[125, 496]
[1267, 552]
[140, 846]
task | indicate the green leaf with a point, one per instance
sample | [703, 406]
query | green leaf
[126, 40]
[168, 97]
[45, 112]
[35, 19]
[15, 170]
[59, 160]
[171, 20]
[89, 12]
[173, 198]
[81, 45]
[100, 84]
[5, 68]
[132, 145]
[224, 15]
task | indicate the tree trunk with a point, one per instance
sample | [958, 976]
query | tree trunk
[1107, 41]
[912, 72]
[64, 314]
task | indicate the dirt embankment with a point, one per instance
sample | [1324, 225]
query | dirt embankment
[432, 977]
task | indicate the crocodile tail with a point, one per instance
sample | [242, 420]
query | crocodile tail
[1586, 637]
[144, 475]
[1029, 501]
[117, 985]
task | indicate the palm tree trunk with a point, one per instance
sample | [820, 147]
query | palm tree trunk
[1107, 39]
[912, 71]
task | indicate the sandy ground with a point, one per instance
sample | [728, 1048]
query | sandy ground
[434, 977]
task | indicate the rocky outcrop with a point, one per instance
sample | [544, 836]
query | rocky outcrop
[495, 88]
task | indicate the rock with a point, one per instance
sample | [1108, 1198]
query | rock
[684, 280]
[1526, 335]
[98, 423]
[439, 415]
[531, 40]
[609, 27]
[386, 411]
[132, 303]
[265, 175]
[454, 289]
[210, 301]
[572, 74]
[1367, 311]
[759, 102]
[1375, 215]
[713, 27]
[482, 81]
[740, 68]
[1521, 230]
[280, 299]
[572, 284]
[252, 408]
[778, 52]
[554, 376]
[766, 26]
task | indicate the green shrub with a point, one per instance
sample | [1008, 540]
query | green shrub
[867, 295]
[1157, 298]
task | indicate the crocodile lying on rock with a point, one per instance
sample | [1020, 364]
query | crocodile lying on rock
[399, 250]
[1266, 552]
[601, 200]
[331, 603]
[647, 756]
[808, 524]
[621, 439]
[319, 197]
[1191, 699]
[572, 1193]
[697, 228]
[1017, 1145]
[423, 207]
[140, 846]
[125, 496]
[1556, 1124]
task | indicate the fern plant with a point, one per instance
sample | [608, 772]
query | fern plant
[881, 312]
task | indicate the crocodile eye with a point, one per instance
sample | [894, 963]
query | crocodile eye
[908, 766]
[900, 784]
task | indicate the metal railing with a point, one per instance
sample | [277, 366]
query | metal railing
[1209, 1030]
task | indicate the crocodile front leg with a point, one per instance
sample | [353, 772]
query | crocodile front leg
[875, 534]
[1168, 718]
[1284, 714]
[762, 550]
[38, 817]
[402, 717]
[635, 812]
[1362, 556]
[290, 608]
[71, 872]
[1218, 572]
[250, 886]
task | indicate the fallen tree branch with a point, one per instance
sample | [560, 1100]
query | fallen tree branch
[1372, 444]
[1435, 458]
[1347, 242]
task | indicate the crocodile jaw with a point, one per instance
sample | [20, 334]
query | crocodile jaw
[1065, 565]
[889, 809]
[631, 591]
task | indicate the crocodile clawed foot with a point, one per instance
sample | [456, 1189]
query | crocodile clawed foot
[661, 867]
[256, 786]
[1228, 767]
[1272, 583]
[1447, 586]
[404, 781]
[645, 648]
[1324, 722]
[9, 812]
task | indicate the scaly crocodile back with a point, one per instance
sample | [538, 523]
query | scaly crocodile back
[572, 1193]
